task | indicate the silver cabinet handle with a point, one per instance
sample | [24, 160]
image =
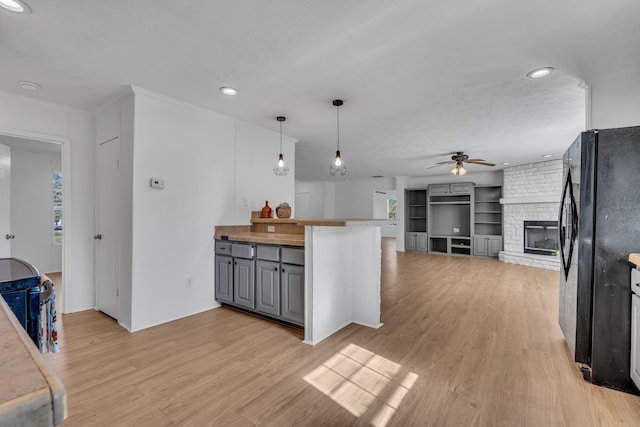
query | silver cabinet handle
[97, 236]
[9, 236]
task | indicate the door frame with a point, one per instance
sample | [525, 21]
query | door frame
[66, 208]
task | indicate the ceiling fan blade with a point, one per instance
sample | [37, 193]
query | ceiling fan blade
[481, 163]
[438, 165]
[446, 163]
[475, 160]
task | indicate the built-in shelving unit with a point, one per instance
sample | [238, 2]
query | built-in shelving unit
[487, 221]
[456, 219]
[416, 220]
[449, 213]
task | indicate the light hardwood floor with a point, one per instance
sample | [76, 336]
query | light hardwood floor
[465, 342]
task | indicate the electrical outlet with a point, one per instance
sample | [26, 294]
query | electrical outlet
[189, 282]
[271, 228]
[245, 202]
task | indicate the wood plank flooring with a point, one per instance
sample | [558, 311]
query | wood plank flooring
[465, 342]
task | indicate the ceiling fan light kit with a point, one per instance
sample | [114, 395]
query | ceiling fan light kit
[458, 159]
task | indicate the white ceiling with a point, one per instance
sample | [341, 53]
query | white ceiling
[419, 79]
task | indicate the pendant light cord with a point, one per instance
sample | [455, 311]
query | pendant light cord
[280, 137]
[338, 127]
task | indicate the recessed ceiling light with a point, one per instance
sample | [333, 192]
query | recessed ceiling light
[540, 72]
[229, 90]
[546, 156]
[17, 6]
[29, 85]
[505, 163]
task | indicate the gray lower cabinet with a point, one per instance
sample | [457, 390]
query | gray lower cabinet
[293, 293]
[244, 283]
[268, 287]
[224, 278]
[272, 284]
[416, 242]
[489, 246]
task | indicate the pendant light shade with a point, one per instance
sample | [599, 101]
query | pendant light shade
[338, 167]
[281, 168]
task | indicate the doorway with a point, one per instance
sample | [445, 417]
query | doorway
[31, 204]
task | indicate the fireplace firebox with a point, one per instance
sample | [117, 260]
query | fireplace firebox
[541, 237]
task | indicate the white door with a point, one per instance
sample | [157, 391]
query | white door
[107, 236]
[5, 201]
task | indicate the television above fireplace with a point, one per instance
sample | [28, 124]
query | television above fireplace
[541, 237]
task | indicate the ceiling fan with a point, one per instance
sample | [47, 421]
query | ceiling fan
[458, 159]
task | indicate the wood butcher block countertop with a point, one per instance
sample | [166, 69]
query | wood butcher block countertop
[283, 231]
[30, 394]
[635, 259]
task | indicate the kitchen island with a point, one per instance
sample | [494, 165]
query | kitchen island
[342, 264]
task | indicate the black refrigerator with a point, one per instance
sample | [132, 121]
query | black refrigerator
[599, 227]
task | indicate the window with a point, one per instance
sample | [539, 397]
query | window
[391, 207]
[57, 208]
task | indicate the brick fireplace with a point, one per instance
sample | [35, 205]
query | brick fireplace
[530, 193]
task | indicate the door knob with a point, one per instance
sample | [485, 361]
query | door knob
[97, 236]
[9, 236]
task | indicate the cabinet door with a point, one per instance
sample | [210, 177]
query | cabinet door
[494, 246]
[293, 293]
[410, 241]
[438, 189]
[268, 287]
[635, 339]
[244, 282]
[479, 245]
[224, 278]
[460, 188]
[422, 243]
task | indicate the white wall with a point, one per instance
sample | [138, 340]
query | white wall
[211, 165]
[354, 199]
[32, 119]
[615, 101]
[321, 196]
[31, 208]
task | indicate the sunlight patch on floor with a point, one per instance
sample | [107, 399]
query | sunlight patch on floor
[355, 377]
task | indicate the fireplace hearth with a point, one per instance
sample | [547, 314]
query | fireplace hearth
[541, 237]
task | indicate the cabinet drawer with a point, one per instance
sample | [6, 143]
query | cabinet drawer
[241, 250]
[268, 252]
[223, 248]
[293, 256]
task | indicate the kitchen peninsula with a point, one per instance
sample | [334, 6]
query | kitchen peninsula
[342, 263]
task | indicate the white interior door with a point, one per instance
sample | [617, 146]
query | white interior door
[107, 236]
[5, 201]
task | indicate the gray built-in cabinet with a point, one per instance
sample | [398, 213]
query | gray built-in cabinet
[415, 238]
[267, 279]
[454, 218]
[487, 221]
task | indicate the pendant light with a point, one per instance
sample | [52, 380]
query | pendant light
[459, 169]
[338, 167]
[281, 168]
